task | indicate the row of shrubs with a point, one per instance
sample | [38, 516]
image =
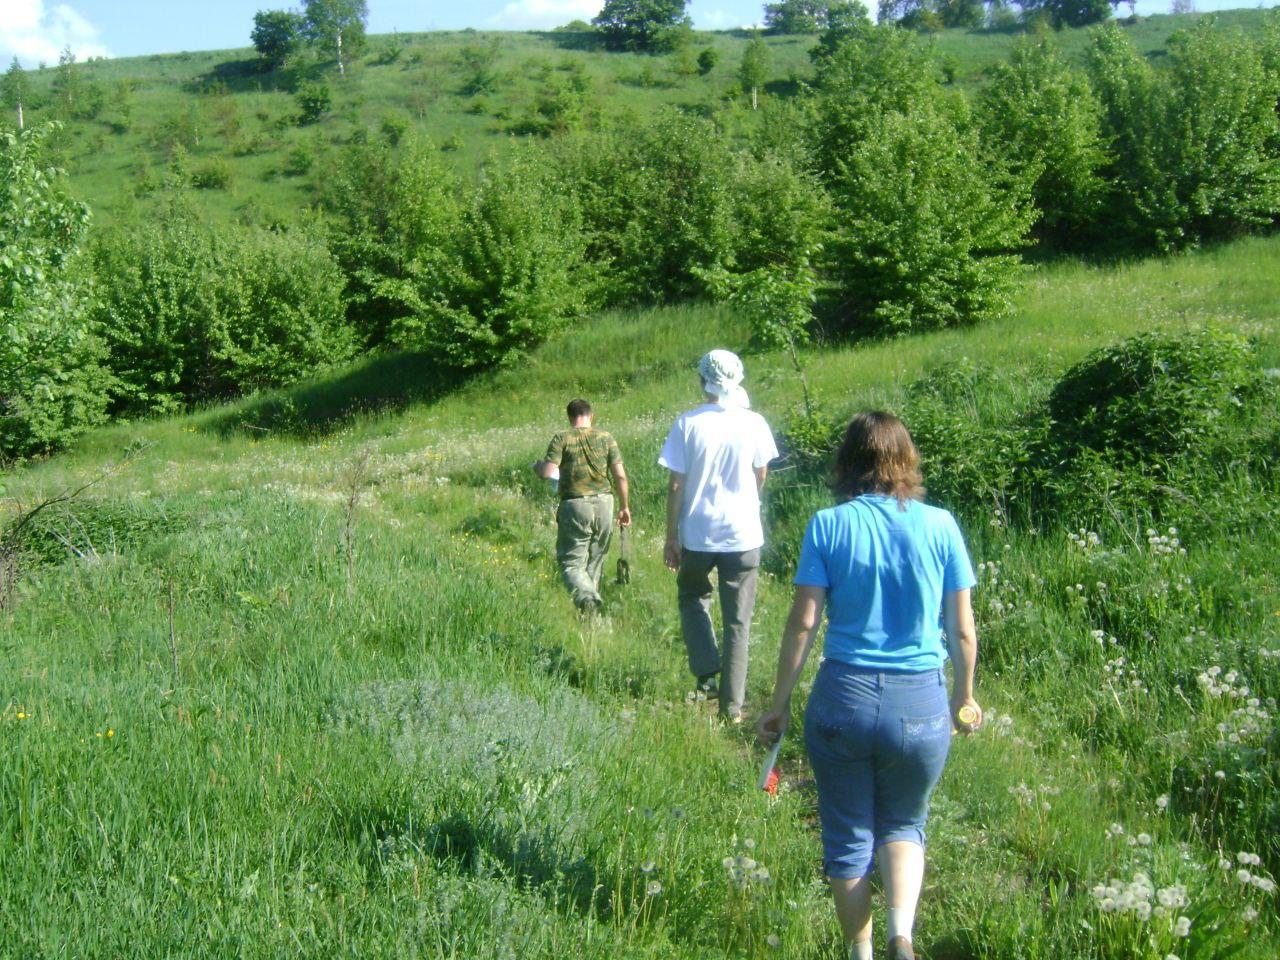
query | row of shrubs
[882, 194]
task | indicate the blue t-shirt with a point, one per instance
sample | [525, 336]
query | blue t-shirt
[885, 570]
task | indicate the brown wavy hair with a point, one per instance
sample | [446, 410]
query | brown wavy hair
[877, 455]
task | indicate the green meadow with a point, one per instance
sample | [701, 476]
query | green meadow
[296, 677]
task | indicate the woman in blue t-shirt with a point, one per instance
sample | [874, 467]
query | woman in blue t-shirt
[890, 571]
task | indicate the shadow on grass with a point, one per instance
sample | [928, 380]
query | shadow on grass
[386, 383]
[585, 40]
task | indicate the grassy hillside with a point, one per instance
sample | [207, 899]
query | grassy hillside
[238, 124]
[297, 678]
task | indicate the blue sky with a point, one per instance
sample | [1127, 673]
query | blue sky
[36, 30]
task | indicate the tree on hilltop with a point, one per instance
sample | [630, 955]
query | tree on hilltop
[277, 35]
[811, 16]
[15, 89]
[644, 26]
[336, 26]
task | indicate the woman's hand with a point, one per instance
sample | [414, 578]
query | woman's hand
[772, 726]
[966, 715]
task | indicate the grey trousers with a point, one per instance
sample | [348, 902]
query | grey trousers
[585, 527]
[737, 580]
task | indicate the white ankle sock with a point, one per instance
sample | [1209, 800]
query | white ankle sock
[901, 920]
[860, 950]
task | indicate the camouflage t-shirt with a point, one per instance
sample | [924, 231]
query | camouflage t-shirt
[585, 457]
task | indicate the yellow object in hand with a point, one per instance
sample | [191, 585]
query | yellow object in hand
[967, 715]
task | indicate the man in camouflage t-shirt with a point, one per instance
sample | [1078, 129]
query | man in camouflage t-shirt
[589, 465]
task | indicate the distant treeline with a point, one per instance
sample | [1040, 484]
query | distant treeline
[881, 200]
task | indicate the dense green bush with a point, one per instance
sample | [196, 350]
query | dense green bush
[509, 274]
[314, 101]
[52, 385]
[394, 214]
[656, 205]
[1046, 120]
[193, 311]
[927, 231]
[1154, 397]
[1194, 144]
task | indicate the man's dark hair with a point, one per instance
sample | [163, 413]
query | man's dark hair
[577, 408]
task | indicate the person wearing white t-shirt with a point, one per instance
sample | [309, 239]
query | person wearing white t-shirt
[718, 455]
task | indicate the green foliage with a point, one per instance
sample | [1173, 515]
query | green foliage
[277, 35]
[646, 26]
[864, 71]
[478, 65]
[811, 16]
[1194, 144]
[932, 15]
[1047, 122]
[52, 386]
[707, 60]
[1154, 397]
[510, 275]
[393, 214]
[214, 174]
[561, 105]
[1073, 13]
[314, 101]
[656, 205]
[925, 228]
[193, 312]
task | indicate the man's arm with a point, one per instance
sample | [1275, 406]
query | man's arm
[675, 501]
[548, 468]
[762, 474]
[624, 494]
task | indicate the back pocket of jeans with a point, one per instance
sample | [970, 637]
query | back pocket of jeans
[926, 732]
[827, 718]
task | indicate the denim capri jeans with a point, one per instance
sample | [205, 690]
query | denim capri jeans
[877, 743]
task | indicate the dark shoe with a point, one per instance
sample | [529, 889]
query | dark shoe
[900, 949]
[591, 609]
[708, 684]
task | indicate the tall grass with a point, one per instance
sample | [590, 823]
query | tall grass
[437, 758]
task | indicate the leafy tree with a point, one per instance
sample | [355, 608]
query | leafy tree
[754, 70]
[707, 60]
[811, 16]
[925, 227]
[15, 89]
[52, 384]
[66, 84]
[277, 35]
[640, 25]
[394, 214]
[336, 26]
[1048, 122]
[509, 277]
[933, 15]
[1067, 13]
[863, 71]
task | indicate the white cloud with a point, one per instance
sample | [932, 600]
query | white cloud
[35, 34]
[542, 14]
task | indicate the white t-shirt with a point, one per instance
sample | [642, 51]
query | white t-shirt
[718, 449]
